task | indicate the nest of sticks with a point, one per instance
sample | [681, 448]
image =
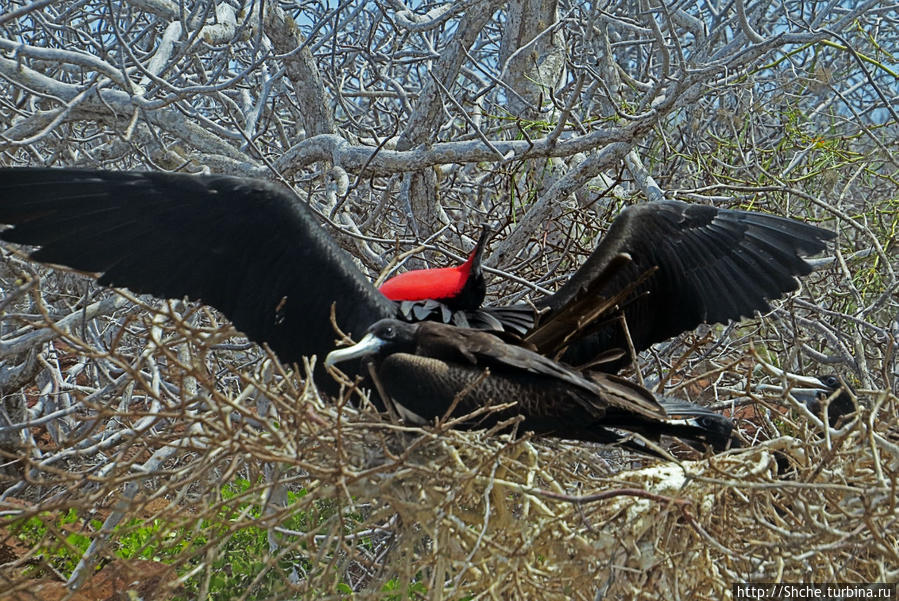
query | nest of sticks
[169, 429]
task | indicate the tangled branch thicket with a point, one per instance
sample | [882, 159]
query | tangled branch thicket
[146, 446]
[350, 500]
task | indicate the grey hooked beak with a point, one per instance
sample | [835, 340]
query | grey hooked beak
[805, 381]
[809, 392]
[810, 397]
[367, 346]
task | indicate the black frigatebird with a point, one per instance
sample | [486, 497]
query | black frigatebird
[431, 370]
[833, 394]
[256, 253]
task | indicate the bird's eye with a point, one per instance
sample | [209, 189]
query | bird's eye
[388, 332]
[831, 381]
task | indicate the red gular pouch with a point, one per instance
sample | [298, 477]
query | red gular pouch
[459, 288]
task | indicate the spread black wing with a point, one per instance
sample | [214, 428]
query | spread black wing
[694, 264]
[245, 247]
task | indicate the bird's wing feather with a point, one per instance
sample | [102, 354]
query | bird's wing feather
[711, 264]
[245, 247]
[482, 349]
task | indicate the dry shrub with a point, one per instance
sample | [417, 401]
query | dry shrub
[351, 504]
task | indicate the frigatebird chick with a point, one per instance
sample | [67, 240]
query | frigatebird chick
[430, 370]
[828, 391]
[834, 394]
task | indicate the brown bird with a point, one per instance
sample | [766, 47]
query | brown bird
[430, 370]
[833, 393]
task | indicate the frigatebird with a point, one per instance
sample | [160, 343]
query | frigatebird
[431, 370]
[255, 252]
[833, 394]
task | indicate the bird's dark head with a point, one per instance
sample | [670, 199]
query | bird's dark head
[834, 393]
[831, 382]
[383, 337]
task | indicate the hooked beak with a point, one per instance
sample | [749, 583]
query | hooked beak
[367, 346]
[809, 393]
[475, 258]
[810, 397]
